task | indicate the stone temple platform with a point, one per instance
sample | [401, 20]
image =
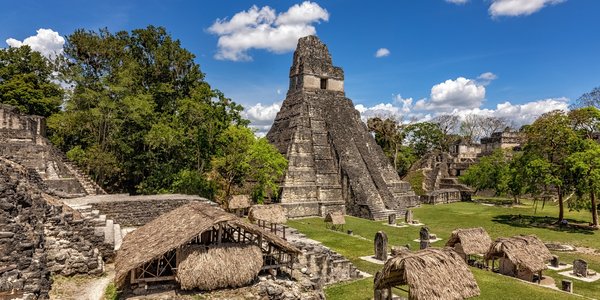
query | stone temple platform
[334, 162]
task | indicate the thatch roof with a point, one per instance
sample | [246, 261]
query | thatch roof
[175, 229]
[223, 266]
[239, 201]
[430, 274]
[335, 218]
[472, 240]
[526, 251]
[272, 213]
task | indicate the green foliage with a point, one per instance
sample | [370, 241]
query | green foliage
[245, 159]
[192, 182]
[442, 220]
[26, 82]
[141, 118]
[111, 293]
[424, 137]
[491, 172]
[416, 179]
[267, 167]
[550, 140]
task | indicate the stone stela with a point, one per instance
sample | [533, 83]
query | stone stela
[334, 162]
[381, 242]
[424, 237]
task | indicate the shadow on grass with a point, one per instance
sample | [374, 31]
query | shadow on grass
[574, 226]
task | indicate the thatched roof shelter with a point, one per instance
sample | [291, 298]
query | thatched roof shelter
[335, 218]
[272, 213]
[472, 240]
[225, 266]
[430, 274]
[525, 251]
[175, 229]
[238, 202]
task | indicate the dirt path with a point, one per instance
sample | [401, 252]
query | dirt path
[82, 287]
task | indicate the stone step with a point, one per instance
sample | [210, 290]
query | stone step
[109, 232]
[118, 236]
[96, 213]
[81, 208]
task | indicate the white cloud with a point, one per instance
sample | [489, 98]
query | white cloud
[513, 8]
[517, 114]
[486, 78]
[457, 1]
[262, 117]
[461, 93]
[46, 41]
[264, 29]
[382, 52]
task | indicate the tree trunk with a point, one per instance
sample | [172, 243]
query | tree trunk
[561, 206]
[594, 208]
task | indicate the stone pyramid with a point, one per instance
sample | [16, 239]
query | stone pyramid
[334, 162]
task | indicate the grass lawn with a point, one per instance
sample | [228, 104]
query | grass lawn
[442, 219]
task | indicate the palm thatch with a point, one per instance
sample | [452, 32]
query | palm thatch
[223, 266]
[525, 251]
[335, 218]
[472, 240]
[273, 213]
[430, 273]
[175, 229]
[238, 202]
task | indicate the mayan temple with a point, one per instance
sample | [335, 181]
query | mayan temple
[334, 162]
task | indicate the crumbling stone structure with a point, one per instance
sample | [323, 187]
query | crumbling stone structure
[23, 140]
[334, 163]
[39, 236]
[501, 140]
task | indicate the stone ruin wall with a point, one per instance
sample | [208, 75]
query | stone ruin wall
[39, 236]
[134, 211]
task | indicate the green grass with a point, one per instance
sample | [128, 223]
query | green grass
[442, 219]
[492, 286]
[111, 293]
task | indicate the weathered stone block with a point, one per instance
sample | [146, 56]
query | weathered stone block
[580, 268]
[381, 245]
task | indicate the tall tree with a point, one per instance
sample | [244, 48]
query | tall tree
[424, 137]
[591, 98]
[550, 140]
[26, 82]
[585, 169]
[470, 127]
[491, 172]
[140, 117]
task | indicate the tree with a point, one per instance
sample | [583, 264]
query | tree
[470, 127]
[448, 124]
[232, 163]
[424, 137]
[585, 169]
[491, 172]
[388, 135]
[268, 167]
[591, 98]
[243, 159]
[585, 121]
[550, 140]
[26, 82]
[490, 125]
[140, 117]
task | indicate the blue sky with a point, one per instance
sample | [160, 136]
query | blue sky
[508, 58]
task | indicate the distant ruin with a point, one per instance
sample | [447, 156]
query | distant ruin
[440, 170]
[334, 163]
[23, 140]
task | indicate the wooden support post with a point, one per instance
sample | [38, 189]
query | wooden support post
[219, 233]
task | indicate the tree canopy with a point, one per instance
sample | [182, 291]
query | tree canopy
[26, 82]
[141, 118]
